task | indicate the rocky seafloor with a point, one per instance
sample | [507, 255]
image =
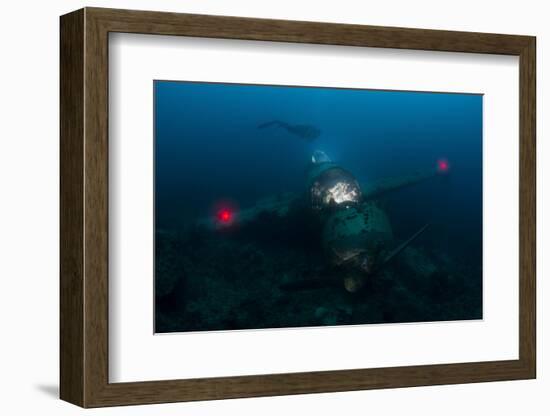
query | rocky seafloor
[207, 280]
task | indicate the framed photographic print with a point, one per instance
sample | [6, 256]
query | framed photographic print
[255, 207]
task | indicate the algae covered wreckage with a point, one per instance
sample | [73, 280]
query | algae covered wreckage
[326, 256]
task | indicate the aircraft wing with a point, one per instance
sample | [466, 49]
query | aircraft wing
[376, 189]
[278, 205]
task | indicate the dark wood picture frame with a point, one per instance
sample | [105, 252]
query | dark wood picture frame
[84, 207]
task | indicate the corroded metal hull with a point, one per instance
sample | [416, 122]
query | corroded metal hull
[362, 228]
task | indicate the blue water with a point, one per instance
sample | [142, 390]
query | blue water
[208, 148]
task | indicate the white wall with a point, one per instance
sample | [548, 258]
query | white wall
[29, 208]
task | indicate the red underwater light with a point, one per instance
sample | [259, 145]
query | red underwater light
[443, 166]
[225, 215]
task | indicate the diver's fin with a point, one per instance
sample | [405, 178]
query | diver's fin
[403, 245]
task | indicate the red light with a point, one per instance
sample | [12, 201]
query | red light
[442, 165]
[225, 215]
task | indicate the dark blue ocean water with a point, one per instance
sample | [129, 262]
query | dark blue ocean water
[208, 148]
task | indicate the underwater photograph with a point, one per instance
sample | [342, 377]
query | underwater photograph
[293, 206]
